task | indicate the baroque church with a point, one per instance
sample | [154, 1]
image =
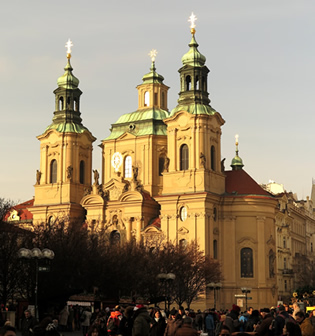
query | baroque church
[162, 178]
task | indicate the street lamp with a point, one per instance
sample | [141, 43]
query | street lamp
[214, 286]
[246, 291]
[166, 278]
[36, 254]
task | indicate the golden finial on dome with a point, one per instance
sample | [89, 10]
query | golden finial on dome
[153, 54]
[68, 45]
[236, 139]
[192, 20]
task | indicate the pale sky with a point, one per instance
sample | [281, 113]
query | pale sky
[261, 56]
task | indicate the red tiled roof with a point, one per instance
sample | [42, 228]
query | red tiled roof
[22, 210]
[240, 183]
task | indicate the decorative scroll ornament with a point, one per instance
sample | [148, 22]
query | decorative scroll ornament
[117, 160]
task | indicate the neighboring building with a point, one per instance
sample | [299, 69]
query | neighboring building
[295, 226]
[163, 178]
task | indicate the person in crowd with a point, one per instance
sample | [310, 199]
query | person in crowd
[28, 323]
[305, 324]
[209, 323]
[63, 318]
[7, 330]
[113, 322]
[85, 320]
[93, 330]
[296, 309]
[220, 325]
[280, 320]
[181, 311]
[126, 322]
[46, 327]
[262, 328]
[158, 324]
[312, 318]
[187, 329]
[141, 321]
[173, 323]
[199, 320]
[232, 321]
[244, 318]
[291, 329]
[253, 320]
[225, 331]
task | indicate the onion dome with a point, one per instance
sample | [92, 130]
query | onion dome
[68, 80]
[237, 162]
[193, 57]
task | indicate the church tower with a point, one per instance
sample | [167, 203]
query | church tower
[194, 181]
[133, 160]
[65, 155]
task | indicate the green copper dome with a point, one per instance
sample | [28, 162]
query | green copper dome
[68, 80]
[237, 162]
[193, 56]
[152, 76]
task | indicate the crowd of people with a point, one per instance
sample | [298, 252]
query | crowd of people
[142, 321]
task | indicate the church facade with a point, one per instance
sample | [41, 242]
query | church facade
[162, 178]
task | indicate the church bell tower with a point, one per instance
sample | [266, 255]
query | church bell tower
[65, 155]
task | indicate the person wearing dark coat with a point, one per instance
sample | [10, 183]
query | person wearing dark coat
[158, 324]
[232, 321]
[141, 321]
[173, 323]
[126, 323]
[262, 328]
[28, 323]
[187, 329]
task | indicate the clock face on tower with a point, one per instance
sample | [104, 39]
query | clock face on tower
[117, 160]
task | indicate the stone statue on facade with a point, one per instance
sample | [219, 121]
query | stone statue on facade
[38, 176]
[96, 177]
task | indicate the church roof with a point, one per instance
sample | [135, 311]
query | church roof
[141, 122]
[238, 182]
[22, 211]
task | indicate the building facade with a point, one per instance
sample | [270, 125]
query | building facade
[163, 178]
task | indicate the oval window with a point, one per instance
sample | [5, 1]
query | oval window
[183, 213]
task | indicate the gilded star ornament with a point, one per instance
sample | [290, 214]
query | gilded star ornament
[153, 54]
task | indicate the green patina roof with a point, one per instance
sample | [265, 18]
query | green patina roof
[147, 121]
[194, 108]
[237, 162]
[68, 80]
[67, 127]
[193, 56]
[152, 76]
[67, 120]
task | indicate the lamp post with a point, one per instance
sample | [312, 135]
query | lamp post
[166, 278]
[36, 254]
[214, 286]
[246, 291]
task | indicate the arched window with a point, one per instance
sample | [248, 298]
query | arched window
[247, 263]
[212, 157]
[215, 249]
[146, 98]
[128, 166]
[115, 238]
[188, 83]
[53, 171]
[215, 214]
[197, 87]
[284, 242]
[60, 103]
[285, 263]
[76, 107]
[161, 165]
[184, 157]
[163, 100]
[311, 247]
[82, 171]
[183, 244]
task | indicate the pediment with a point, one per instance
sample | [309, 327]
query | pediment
[91, 200]
[126, 136]
[114, 189]
[131, 196]
[248, 239]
